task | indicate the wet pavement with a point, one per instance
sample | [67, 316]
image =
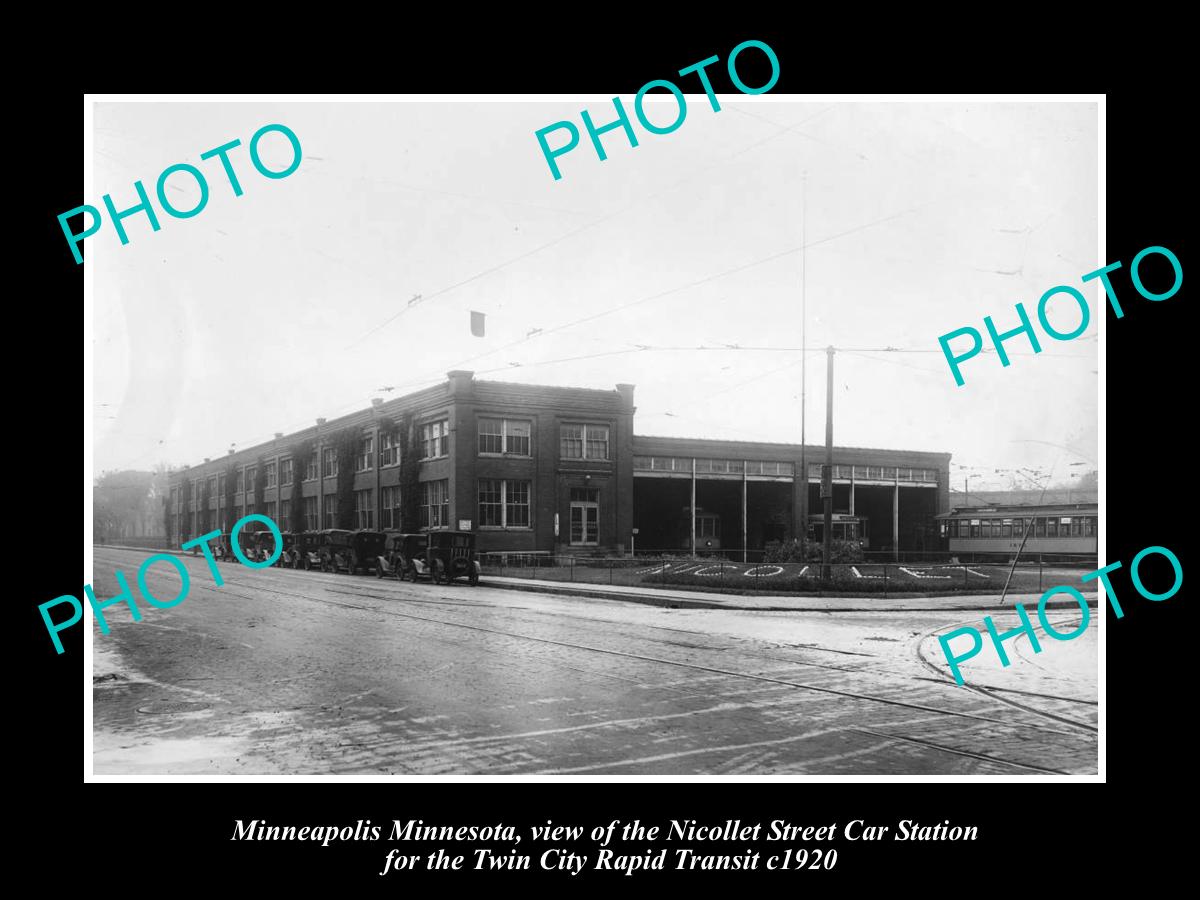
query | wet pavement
[282, 672]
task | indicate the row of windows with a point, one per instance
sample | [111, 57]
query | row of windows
[712, 466]
[1043, 526]
[502, 503]
[755, 467]
[511, 437]
[875, 473]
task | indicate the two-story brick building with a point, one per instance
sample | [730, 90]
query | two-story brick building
[531, 467]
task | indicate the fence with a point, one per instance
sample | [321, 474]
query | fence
[709, 572]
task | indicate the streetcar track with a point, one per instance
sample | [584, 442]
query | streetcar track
[941, 680]
[685, 665]
[988, 692]
[972, 755]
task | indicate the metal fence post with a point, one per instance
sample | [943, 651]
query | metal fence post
[1039, 571]
[572, 567]
[610, 571]
[965, 573]
[885, 580]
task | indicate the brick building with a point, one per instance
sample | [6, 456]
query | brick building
[531, 467]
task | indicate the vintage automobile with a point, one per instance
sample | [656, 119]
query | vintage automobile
[264, 545]
[448, 555]
[365, 546]
[248, 542]
[399, 552]
[220, 548]
[335, 549]
[307, 555]
[288, 552]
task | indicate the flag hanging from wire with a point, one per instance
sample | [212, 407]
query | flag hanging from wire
[477, 323]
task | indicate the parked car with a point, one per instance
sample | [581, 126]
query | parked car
[450, 555]
[308, 550]
[334, 552]
[289, 552]
[398, 553]
[249, 543]
[365, 546]
[264, 545]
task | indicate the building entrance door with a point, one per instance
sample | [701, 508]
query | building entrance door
[585, 516]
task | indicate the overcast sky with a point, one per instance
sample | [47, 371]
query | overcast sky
[263, 311]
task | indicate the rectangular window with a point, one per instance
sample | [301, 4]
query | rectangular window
[241, 481]
[491, 503]
[310, 514]
[285, 522]
[389, 449]
[285, 471]
[587, 442]
[596, 441]
[251, 479]
[571, 439]
[310, 468]
[212, 488]
[507, 436]
[585, 516]
[516, 504]
[1039, 526]
[491, 436]
[1008, 528]
[975, 528]
[221, 484]
[435, 504]
[435, 439]
[331, 510]
[364, 509]
[271, 474]
[517, 438]
[366, 450]
[389, 508]
[1052, 527]
[329, 463]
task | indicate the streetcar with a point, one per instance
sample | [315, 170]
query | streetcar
[844, 527]
[1051, 531]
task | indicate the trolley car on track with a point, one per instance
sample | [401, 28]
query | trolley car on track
[1059, 530]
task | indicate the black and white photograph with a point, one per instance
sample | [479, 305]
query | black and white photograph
[702, 433]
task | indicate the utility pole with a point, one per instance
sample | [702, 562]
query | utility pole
[967, 489]
[803, 367]
[827, 469]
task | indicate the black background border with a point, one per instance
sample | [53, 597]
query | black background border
[157, 835]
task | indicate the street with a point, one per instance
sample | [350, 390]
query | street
[292, 672]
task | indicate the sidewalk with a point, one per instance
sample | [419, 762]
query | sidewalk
[682, 599]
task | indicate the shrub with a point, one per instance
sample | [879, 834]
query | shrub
[791, 551]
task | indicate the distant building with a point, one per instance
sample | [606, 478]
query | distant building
[542, 468]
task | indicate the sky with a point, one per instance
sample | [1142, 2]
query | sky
[682, 265]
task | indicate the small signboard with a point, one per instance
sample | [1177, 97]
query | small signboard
[464, 524]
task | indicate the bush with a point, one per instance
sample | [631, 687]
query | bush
[791, 552]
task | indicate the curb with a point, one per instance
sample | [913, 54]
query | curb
[684, 602]
[690, 603]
